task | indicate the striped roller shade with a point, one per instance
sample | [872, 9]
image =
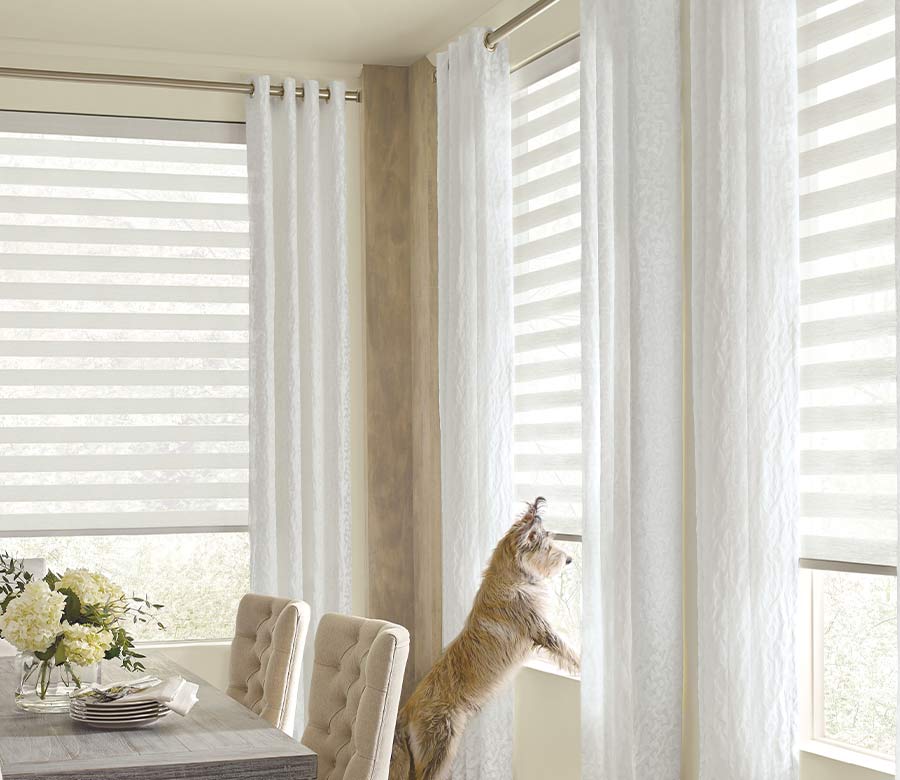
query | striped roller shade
[547, 227]
[848, 386]
[124, 254]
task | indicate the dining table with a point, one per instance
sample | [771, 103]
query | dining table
[219, 739]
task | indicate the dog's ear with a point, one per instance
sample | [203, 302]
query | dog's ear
[530, 516]
[533, 514]
[528, 525]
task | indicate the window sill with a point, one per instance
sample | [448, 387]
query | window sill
[170, 644]
[846, 755]
[540, 663]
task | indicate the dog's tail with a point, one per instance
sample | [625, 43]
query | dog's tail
[401, 756]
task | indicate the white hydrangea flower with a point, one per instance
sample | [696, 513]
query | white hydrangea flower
[85, 645]
[90, 587]
[31, 621]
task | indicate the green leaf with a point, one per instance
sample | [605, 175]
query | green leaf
[47, 654]
[13, 577]
[51, 579]
[72, 611]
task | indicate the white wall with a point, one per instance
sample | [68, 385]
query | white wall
[209, 661]
[547, 738]
[813, 767]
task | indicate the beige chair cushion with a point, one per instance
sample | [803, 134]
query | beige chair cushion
[266, 655]
[356, 681]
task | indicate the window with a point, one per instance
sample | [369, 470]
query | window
[848, 388]
[547, 229]
[124, 260]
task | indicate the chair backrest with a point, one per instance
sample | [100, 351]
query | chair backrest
[266, 654]
[356, 681]
[37, 567]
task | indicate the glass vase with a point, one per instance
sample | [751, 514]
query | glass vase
[45, 686]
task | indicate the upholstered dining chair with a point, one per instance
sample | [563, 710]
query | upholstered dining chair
[356, 680]
[266, 653]
[37, 567]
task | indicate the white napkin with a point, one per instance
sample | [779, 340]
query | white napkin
[176, 693]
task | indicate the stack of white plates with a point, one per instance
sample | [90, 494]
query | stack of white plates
[117, 715]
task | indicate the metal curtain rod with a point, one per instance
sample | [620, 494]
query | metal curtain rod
[534, 57]
[244, 88]
[494, 37]
[544, 52]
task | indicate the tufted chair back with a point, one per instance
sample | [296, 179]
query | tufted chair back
[356, 681]
[265, 657]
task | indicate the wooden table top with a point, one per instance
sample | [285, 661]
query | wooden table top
[218, 740]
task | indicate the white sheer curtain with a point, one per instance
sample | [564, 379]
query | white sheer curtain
[745, 310]
[299, 348]
[632, 378]
[475, 294]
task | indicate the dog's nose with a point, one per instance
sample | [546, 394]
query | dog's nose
[568, 559]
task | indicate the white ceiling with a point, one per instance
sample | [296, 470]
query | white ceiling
[387, 32]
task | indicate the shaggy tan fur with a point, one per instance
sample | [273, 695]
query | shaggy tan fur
[508, 620]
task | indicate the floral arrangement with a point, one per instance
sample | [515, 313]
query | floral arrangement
[74, 620]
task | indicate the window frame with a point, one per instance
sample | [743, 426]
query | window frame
[530, 71]
[148, 128]
[114, 126]
[533, 70]
[813, 738]
[820, 554]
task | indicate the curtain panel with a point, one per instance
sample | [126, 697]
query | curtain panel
[632, 398]
[745, 312]
[897, 339]
[475, 311]
[744, 306]
[299, 349]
